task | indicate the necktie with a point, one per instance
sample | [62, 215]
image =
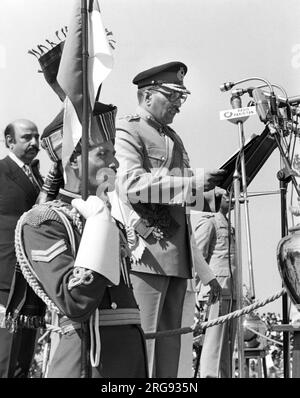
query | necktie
[30, 175]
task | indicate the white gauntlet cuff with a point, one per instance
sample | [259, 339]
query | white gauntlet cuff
[99, 248]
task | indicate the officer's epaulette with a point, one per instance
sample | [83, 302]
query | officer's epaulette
[41, 213]
[208, 215]
[204, 217]
[131, 118]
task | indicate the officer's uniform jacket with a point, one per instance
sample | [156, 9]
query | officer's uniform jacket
[75, 294]
[213, 239]
[152, 159]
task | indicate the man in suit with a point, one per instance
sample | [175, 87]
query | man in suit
[155, 185]
[20, 182]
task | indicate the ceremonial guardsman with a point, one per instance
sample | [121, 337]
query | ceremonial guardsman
[155, 183]
[81, 271]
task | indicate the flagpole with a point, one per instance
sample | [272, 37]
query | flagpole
[85, 368]
[85, 104]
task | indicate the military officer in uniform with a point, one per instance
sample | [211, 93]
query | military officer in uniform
[217, 243]
[155, 183]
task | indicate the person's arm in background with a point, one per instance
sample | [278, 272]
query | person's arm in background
[204, 240]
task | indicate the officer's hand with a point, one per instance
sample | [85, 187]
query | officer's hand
[91, 207]
[215, 291]
[213, 178]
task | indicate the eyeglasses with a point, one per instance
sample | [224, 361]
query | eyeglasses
[172, 96]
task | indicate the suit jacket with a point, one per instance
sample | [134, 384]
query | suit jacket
[150, 162]
[17, 195]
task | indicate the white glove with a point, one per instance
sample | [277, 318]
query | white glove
[99, 246]
[91, 207]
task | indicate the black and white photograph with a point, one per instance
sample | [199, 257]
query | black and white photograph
[149, 191]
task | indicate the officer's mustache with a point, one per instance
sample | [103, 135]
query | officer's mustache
[175, 108]
[31, 148]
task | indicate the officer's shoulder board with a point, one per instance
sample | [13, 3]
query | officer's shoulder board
[207, 216]
[205, 219]
[131, 118]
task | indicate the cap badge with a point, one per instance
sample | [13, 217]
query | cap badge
[181, 74]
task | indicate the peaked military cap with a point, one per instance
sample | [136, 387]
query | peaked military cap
[169, 75]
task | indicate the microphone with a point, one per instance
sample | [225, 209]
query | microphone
[236, 102]
[226, 86]
[242, 91]
[262, 105]
[293, 101]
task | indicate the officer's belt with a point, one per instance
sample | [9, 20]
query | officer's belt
[107, 317]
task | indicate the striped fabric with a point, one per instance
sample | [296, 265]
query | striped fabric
[105, 116]
[53, 145]
[31, 177]
[49, 254]
[107, 317]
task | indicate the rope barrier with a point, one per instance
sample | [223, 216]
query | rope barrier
[222, 319]
[263, 336]
[197, 327]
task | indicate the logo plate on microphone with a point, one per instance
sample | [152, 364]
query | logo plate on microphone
[239, 114]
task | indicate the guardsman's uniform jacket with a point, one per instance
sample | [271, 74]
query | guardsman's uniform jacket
[154, 176]
[80, 296]
[213, 239]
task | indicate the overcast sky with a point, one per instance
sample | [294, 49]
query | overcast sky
[219, 40]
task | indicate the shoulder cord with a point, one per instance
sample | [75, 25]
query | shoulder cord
[95, 341]
[27, 270]
[25, 265]
[93, 323]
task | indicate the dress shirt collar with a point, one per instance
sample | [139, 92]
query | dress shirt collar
[16, 160]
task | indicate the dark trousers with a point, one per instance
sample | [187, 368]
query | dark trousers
[123, 354]
[16, 352]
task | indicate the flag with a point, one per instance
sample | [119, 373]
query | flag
[70, 74]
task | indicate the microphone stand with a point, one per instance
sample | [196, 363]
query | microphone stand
[236, 102]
